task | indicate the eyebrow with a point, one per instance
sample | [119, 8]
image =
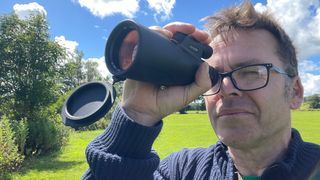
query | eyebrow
[240, 64]
[245, 63]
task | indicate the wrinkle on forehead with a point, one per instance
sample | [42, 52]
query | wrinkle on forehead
[242, 47]
[219, 43]
[225, 38]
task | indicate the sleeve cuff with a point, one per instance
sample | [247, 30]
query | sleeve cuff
[125, 137]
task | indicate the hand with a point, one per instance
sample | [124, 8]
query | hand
[147, 104]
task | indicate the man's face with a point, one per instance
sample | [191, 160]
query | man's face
[246, 119]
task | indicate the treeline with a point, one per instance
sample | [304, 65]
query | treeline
[310, 103]
[36, 76]
[313, 101]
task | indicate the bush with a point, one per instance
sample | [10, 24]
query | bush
[41, 132]
[10, 159]
[21, 133]
[46, 133]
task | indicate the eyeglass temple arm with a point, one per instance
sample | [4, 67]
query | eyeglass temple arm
[280, 71]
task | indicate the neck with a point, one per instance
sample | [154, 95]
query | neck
[253, 161]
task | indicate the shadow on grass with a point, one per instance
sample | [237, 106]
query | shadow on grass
[49, 162]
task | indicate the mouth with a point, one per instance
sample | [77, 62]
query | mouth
[233, 112]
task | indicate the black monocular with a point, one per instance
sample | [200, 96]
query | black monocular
[134, 51]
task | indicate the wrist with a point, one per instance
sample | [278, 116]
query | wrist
[141, 118]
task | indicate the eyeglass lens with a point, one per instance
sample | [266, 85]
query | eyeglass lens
[244, 78]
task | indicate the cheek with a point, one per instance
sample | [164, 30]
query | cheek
[211, 102]
[272, 105]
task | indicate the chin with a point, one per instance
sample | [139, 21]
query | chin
[237, 138]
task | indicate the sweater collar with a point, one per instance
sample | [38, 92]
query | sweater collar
[297, 163]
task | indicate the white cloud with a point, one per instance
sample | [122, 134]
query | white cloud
[24, 11]
[260, 7]
[162, 8]
[103, 8]
[309, 66]
[70, 46]
[311, 83]
[128, 8]
[102, 67]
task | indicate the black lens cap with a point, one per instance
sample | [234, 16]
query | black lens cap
[88, 103]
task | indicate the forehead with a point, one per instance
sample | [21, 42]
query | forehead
[241, 47]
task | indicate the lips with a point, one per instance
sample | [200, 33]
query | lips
[233, 112]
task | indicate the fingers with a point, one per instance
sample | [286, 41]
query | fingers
[183, 95]
[181, 27]
[202, 78]
[163, 31]
[202, 82]
[171, 28]
[201, 36]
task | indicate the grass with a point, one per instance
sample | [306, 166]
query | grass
[184, 131]
[308, 124]
[70, 163]
[179, 131]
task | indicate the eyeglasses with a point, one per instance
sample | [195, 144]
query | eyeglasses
[247, 78]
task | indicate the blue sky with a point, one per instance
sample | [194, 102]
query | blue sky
[86, 24]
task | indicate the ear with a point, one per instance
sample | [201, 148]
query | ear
[296, 93]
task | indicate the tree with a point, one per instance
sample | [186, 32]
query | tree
[29, 64]
[29, 72]
[72, 73]
[92, 73]
[314, 101]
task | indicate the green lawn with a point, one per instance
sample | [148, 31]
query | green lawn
[179, 131]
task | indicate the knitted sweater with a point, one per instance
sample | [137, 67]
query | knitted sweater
[124, 151]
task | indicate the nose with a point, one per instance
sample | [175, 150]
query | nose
[228, 89]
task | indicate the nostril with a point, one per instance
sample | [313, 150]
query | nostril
[228, 88]
[233, 94]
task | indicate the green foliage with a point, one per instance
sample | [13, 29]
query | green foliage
[184, 110]
[10, 159]
[21, 133]
[92, 73]
[314, 101]
[29, 64]
[72, 73]
[57, 106]
[197, 105]
[304, 107]
[29, 72]
[46, 133]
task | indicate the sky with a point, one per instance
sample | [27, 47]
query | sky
[86, 24]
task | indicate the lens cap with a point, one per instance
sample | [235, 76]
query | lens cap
[88, 103]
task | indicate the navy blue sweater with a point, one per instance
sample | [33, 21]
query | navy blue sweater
[124, 151]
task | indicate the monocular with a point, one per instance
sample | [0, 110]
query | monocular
[134, 51]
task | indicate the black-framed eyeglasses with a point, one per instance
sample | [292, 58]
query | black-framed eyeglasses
[247, 78]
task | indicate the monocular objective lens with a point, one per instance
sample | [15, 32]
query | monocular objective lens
[128, 50]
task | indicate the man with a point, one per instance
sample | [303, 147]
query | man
[249, 110]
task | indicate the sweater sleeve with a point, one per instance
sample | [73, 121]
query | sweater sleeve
[123, 150]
